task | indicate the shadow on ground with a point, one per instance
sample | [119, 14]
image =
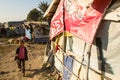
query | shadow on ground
[38, 71]
[4, 72]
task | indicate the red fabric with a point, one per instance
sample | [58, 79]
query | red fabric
[80, 21]
[57, 48]
[21, 54]
[26, 39]
[57, 25]
[83, 22]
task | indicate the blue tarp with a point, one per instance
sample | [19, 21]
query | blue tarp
[41, 40]
[68, 63]
[27, 33]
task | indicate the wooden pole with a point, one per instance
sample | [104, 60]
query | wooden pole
[88, 64]
[64, 40]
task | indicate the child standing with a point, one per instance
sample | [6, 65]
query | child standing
[21, 54]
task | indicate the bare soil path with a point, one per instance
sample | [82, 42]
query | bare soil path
[34, 70]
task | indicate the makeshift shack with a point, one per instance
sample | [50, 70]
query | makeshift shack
[85, 38]
[40, 31]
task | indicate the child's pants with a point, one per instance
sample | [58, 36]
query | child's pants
[21, 64]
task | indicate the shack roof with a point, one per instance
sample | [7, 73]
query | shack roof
[113, 13]
[51, 9]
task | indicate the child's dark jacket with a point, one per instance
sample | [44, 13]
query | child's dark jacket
[26, 52]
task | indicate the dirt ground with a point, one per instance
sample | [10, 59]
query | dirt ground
[34, 69]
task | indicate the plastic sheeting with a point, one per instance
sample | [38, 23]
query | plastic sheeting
[57, 25]
[41, 40]
[113, 13]
[104, 60]
[59, 61]
[38, 32]
[78, 49]
[109, 34]
[68, 63]
[78, 19]
[27, 33]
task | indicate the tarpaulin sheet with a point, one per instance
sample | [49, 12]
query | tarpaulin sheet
[59, 60]
[82, 21]
[68, 63]
[57, 25]
[113, 13]
[27, 33]
[109, 33]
